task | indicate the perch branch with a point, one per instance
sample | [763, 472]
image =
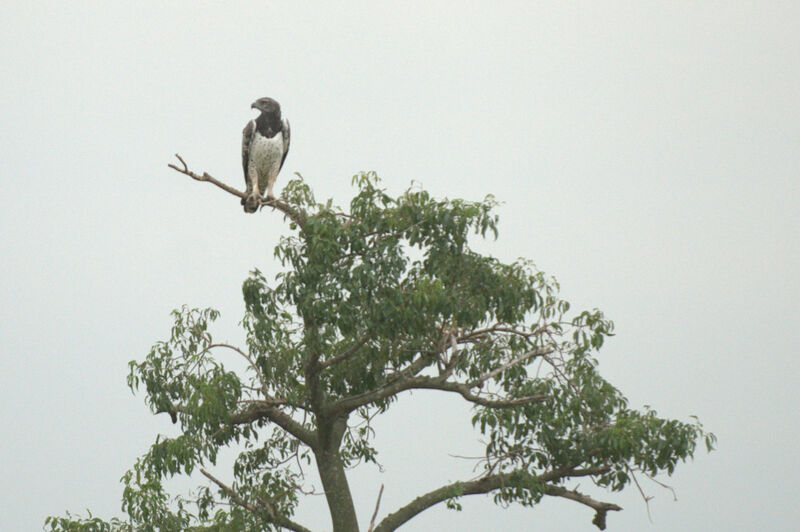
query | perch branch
[205, 177]
[293, 214]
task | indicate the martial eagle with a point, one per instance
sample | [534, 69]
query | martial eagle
[265, 143]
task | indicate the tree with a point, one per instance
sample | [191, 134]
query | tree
[352, 322]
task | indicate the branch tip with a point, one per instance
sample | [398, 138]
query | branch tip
[375, 513]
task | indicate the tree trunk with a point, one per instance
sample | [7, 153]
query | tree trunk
[337, 492]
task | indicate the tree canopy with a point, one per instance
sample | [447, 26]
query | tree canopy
[373, 301]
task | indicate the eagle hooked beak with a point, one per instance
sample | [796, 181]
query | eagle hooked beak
[267, 105]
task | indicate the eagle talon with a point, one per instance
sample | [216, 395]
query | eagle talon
[252, 202]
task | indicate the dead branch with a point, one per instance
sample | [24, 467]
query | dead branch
[375, 513]
[293, 214]
[646, 498]
[600, 508]
[205, 177]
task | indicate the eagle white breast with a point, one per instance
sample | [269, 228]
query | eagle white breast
[265, 159]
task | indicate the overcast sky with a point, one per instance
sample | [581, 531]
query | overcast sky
[646, 154]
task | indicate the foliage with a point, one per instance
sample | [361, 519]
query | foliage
[385, 298]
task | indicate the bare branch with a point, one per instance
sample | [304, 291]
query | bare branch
[600, 508]
[293, 214]
[205, 177]
[665, 486]
[375, 513]
[646, 498]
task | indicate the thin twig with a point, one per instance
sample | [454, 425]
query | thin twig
[375, 513]
[665, 486]
[205, 177]
[645, 497]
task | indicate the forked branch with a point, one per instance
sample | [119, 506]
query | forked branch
[205, 177]
[293, 214]
[600, 508]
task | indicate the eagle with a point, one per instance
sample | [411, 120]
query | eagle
[265, 143]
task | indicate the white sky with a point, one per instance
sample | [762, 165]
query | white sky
[646, 154]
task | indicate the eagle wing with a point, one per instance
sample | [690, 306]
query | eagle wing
[247, 137]
[286, 138]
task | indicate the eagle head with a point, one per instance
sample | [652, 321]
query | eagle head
[267, 106]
